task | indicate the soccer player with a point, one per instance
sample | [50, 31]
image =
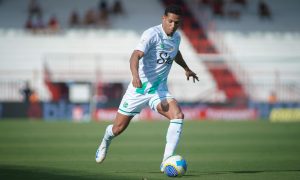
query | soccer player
[150, 64]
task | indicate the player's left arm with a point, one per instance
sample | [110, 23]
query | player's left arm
[188, 72]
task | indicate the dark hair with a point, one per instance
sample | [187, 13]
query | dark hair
[173, 8]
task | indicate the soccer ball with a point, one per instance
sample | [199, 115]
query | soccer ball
[175, 166]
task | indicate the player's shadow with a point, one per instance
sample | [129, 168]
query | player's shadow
[36, 173]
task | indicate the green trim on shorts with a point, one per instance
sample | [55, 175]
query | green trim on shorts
[128, 112]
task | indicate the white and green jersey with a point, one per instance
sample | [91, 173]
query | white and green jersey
[159, 53]
[154, 67]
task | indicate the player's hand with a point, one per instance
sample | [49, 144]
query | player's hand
[189, 73]
[136, 82]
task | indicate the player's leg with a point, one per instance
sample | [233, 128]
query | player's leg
[171, 110]
[120, 124]
[131, 104]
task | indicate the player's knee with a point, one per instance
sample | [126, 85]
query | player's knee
[178, 115]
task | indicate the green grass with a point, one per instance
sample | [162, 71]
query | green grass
[214, 150]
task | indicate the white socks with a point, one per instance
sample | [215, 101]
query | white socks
[109, 135]
[103, 147]
[172, 137]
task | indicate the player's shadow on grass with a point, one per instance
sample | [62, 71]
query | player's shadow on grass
[35, 173]
[241, 172]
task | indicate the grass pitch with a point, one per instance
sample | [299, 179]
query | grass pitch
[213, 150]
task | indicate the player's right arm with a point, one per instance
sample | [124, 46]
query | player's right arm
[134, 68]
[142, 48]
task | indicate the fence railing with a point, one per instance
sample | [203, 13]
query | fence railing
[285, 84]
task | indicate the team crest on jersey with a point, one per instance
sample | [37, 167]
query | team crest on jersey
[167, 46]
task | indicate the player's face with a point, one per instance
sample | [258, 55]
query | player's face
[170, 23]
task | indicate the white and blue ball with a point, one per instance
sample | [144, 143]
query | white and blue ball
[175, 166]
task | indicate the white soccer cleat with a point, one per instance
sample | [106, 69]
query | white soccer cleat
[101, 152]
[162, 169]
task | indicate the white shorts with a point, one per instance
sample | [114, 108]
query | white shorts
[133, 102]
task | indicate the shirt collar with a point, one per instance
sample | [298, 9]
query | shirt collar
[165, 36]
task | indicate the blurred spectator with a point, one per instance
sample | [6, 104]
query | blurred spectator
[74, 19]
[38, 25]
[34, 109]
[103, 13]
[102, 5]
[90, 17]
[26, 92]
[117, 7]
[264, 10]
[33, 97]
[35, 25]
[29, 25]
[272, 98]
[34, 10]
[218, 7]
[53, 24]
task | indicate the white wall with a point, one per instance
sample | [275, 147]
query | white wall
[79, 54]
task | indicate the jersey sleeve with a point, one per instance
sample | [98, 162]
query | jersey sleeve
[146, 41]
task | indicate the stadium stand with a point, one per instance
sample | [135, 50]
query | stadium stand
[248, 66]
[256, 57]
[88, 54]
[262, 53]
